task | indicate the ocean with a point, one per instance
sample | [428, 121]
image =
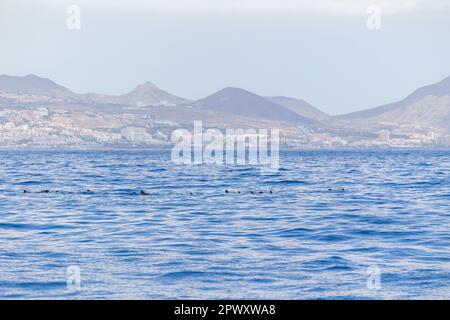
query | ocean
[330, 224]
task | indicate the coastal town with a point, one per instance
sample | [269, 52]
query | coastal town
[45, 127]
[36, 112]
[40, 127]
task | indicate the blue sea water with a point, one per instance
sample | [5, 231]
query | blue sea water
[302, 241]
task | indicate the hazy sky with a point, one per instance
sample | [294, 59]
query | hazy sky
[318, 50]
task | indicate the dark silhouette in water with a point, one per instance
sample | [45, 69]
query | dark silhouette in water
[143, 193]
[342, 189]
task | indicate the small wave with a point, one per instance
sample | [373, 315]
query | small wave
[28, 226]
[295, 233]
[329, 263]
[288, 182]
[33, 286]
[179, 275]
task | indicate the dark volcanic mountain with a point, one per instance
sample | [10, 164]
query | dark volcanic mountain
[427, 107]
[34, 85]
[239, 102]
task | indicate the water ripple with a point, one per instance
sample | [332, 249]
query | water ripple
[310, 230]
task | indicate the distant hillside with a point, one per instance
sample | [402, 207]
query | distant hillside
[230, 107]
[427, 107]
[239, 102]
[300, 107]
[150, 94]
[146, 94]
[32, 84]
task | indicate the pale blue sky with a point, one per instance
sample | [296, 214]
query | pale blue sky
[323, 54]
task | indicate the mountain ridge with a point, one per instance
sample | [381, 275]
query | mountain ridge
[439, 89]
[32, 84]
[426, 107]
[241, 102]
[148, 93]
[300, 107]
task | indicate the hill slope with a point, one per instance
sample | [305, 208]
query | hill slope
[32, 84]
[427, 107]
[239, 102]
[300, 107]
[149, 94]
[146, 94]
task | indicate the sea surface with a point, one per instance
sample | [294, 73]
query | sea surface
[339, 224]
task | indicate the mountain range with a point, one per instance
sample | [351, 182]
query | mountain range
[146, 94]
[427, 108]
[242, 103]
[33, 85]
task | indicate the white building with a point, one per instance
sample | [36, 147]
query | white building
[136, 135]
[384, 136]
